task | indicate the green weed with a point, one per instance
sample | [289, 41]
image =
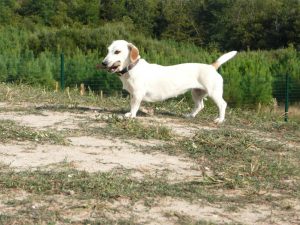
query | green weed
[10, 131]
[240, 160]
[118, 126]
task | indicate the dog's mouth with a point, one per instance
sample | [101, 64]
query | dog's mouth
[115, 67]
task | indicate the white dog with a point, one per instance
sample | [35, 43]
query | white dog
[152, 82]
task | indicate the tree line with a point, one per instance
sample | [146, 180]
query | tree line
[221, 24]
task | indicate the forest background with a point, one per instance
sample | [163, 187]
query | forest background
[266, 33]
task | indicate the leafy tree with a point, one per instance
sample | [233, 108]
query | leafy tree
[258, 24]
[61, 17]
[7, 11]
[112, 10]
[84, 11]
[38, 11]
[142, 14]
[179, 25]
[205, 14]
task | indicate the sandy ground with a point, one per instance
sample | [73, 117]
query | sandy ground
[94, 154]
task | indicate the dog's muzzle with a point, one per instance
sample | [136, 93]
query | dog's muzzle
[104, 64]
[113, 68]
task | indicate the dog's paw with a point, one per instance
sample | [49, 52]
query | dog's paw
[219, 120]
[189, 115]
[128, 115]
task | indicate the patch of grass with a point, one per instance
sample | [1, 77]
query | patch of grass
[172, 107]
[107, 221]
[10, 131]
[103, 186]
[45, 215]
[232, 208]
[70, 97]
[41, 209]
[25, 218]
[264, 121]
[7, 219]
[113, 185]
[239, 160]
[110, 186]
[186, 220]
[183, 219]
[118, 126]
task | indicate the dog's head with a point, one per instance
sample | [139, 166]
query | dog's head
[120, 55]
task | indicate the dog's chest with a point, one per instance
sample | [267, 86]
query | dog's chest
[128, 83]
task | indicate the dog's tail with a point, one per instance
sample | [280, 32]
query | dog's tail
[224, 58]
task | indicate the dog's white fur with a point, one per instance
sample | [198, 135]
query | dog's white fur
[152, 82]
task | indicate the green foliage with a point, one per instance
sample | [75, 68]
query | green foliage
[286, 62]
[258, 24]
[59, 13]
[33, 57]
[7, 8]
[248, 79]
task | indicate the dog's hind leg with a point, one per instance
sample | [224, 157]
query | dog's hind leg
[198, 95]
[217, 97]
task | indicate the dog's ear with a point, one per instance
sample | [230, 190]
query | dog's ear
[134, 52]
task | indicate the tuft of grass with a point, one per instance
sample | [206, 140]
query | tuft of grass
[51, 216]
[240, 160]
[69, 98]
[107, 221]
[267, 121]
[102, 186]
[111, 186]
[10, 131]
[186, 220]
[133, 128]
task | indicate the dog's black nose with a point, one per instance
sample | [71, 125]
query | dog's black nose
[104, 63]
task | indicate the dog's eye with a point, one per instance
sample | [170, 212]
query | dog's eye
[117, 52]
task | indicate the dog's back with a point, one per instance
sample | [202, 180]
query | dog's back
[163, 82]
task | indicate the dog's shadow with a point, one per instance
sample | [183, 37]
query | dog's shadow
[79, 108]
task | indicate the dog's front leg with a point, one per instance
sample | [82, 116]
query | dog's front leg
[135, 103]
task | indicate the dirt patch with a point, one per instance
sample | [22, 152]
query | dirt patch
[94, 155]
[15, 105]
[169, 211]
[47, 119]
[89, 153]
